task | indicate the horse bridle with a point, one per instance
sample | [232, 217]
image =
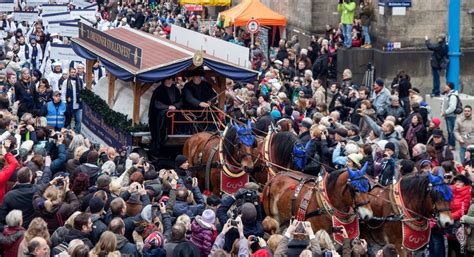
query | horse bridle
[434, 197]
[354, 191]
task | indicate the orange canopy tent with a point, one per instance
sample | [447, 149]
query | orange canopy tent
[240, 14]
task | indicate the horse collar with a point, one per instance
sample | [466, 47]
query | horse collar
[341, 215]
[414, 223]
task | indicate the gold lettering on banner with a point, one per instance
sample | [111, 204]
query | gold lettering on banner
[109, 44]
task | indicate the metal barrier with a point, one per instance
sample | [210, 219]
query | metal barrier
[172, 115]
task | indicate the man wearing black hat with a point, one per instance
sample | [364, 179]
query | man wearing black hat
[388, 166]
[198, 93]
[181, 168]
[380, 97]
[166, 97]
[353, 134]
[96, 207]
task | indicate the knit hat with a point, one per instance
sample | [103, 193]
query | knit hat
[354, 128]
[261, 253]
[146, 213]
[436, 121]
[438, 133]
[379, 82]
[108, 167]
[390, 146]
[180, 159]
[249, 213]
[154, 240]
[275, 114]
[381, 144]
[406, 167]
[209, 216]
[27, 145]
[356, 158]
[96, 205]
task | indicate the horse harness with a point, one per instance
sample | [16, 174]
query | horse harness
[322, 200]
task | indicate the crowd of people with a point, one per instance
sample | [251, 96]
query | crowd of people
[62, 195]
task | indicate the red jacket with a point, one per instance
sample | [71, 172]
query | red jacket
[461, 200]
[6, 173]
[10, 240]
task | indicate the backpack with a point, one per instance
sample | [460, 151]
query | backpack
[444, 63]
[459, 108]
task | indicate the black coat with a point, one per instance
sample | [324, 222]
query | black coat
[20, 197]
[196, 94]
[76, 234]
[440, 50]
[98, 227]
[261, 126]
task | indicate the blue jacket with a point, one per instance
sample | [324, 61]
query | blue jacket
[59, 162]
[182, 207]
[55, 116]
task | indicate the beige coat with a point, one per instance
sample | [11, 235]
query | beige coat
[464, 130]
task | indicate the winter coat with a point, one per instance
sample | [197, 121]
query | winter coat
[60, 213]
[450, 101]
[320, 95]
[440, 50]
[461, 200]
[464, 130]
[469, 220]
[6, 173]
[10, 240]
[90, 169]
[396, 111]
[77, 234]
[365, 15]
[182, 207]
[98, 227]
[347, 10]
[381, 101]
[125, 247]
[59, 235]
[282, 249]
[261, 126]
[203, 235]
[393, 137]
[219, 244]
[255, 228]
[363, 126]
[388, 172]
[21, 196]
[443, 154]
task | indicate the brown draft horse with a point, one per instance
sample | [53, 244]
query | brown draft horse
[341, 188]
[425, 196]
[277, 151]
[203, 151]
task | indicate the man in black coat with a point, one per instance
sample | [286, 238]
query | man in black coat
[198, 94]
[81, 230]
[21, 195]
[264, 121]
[440, 51]
[96, 207]
[166, 97]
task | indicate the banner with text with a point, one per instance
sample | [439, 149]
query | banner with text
[110, 135]
[65, 29]
[56, 16]
[120, 49]
[25, 16]
[88, 14]
[7, 5]
[64, 52]
[53, 8]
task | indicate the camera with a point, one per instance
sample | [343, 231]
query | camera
[250, 197]
[234, 223]
[336, 229]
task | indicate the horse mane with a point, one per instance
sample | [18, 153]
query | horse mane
[415, 185]
[332, 178]
[230, 143]
[282, 147]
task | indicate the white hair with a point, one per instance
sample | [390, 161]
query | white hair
[14, 218]
[351, 148]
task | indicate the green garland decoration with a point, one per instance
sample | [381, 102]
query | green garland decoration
[110, 117]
